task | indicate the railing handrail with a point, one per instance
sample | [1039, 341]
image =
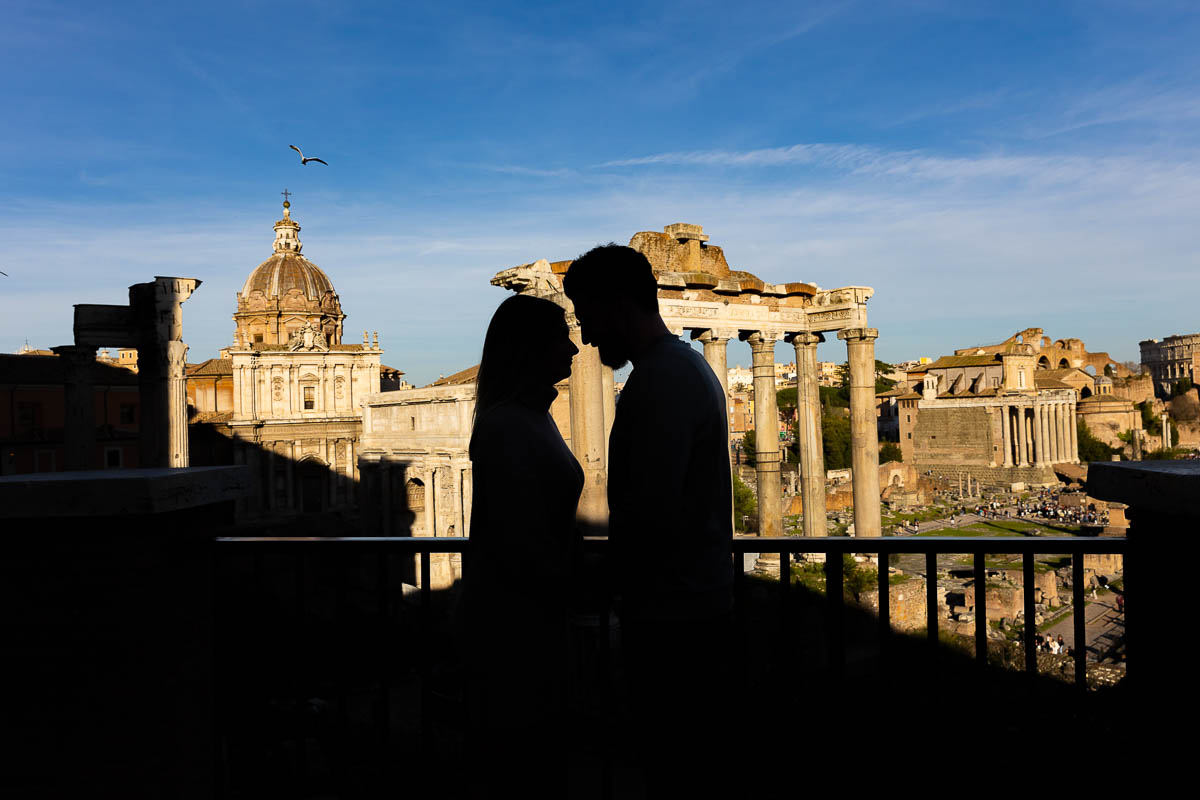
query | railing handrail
[754, 544]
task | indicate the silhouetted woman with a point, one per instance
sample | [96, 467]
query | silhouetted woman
[513, 611]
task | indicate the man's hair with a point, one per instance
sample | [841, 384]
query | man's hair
[613, 271]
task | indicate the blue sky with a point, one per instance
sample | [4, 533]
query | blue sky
[985, 166]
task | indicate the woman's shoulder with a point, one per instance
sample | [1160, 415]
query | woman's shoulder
[502, 423]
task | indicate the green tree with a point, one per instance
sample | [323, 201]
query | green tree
[835, 397]
[744, 504]
[1149, 419]
[785, 399]
[890, 451]
[1091, 448]
[1181, 387]
[835, 433]
[749, 449]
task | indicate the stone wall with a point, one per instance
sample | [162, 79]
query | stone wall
[1105, 418]
[1135, 388]
[1046, 581]
[906, 603]
[993, 476]
[1001, 600]
[953, 436]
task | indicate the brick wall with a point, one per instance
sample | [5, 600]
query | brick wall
[953, 436]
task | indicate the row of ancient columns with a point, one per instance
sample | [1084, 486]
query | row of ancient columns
[1039, 434]
[593, 407]
[860, 345]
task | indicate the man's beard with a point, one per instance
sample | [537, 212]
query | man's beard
[613, 357]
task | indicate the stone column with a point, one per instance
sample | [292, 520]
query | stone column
[609, 387]
[1073, 434]
[864, 433]
[177, 414]
[1022, 441]
[588, 439]
[766, 436]
[79, 432]
[1006, 431]
[1165, 423]
[1039, 432]
[467, 495]
[290, 456]
[1060, 428]
[812, 447]
[716, 354]
[1047, 433]
[431, 503]
[1052, 432]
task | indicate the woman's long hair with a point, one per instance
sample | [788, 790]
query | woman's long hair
[512, 350]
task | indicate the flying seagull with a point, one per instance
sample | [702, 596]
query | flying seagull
[304, 160]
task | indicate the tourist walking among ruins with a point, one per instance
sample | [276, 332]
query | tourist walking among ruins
[512, 618]
[671, 531]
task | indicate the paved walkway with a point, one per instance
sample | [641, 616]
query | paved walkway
[1104, 625]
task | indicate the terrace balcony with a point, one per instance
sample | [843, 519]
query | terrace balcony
[167, 653]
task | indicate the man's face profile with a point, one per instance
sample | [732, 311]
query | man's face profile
[599, 325]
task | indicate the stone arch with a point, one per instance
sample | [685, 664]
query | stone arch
[1090, 370]
[1043, 363]
[414, 490]
[1085, 392]
[1063, 363]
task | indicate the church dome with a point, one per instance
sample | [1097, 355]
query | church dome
[283, 272]
[285, 293]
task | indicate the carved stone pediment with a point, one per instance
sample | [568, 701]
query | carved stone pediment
[308, 339]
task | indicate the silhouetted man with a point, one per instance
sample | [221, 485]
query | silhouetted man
[670, 521]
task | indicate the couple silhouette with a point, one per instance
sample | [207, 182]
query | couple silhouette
[668, 563]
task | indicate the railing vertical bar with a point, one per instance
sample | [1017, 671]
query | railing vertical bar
[785, 580]
[1079, 619]
[931, 604]
[885, 602]
[220, 751]
[301, 605]
[384, 720]
[835, 616]
[1030, 629]
[341, 563]
[606, 690]
[423, 657]
[981, 610]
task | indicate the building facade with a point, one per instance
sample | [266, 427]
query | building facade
[289, 393]
[1170, 360]
[994, 416]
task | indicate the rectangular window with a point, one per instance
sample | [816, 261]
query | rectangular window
[128, 413]
[29, 418]
[909, 436]
[258, 338]
[310, 398]
[112, 458]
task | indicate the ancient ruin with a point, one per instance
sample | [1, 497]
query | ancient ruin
[153, 324]
[1170, 360]
[699, 294]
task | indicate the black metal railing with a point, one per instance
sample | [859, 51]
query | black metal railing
[256, 553]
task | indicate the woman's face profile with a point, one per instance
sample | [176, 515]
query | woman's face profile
[559, 353]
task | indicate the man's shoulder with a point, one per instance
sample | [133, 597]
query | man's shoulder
[673, 360]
